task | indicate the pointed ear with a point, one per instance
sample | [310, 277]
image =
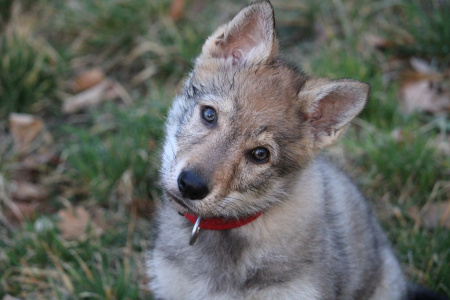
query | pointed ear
[249, 38]
[331, 105]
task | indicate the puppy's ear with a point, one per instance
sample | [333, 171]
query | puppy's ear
[330, 105]
[249, 38]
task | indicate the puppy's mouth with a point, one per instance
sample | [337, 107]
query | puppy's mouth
[179, 201]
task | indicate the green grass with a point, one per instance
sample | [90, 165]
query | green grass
[28, 74]
[428, 24]
[391, 155]
[119, 140]
[5, 11]
[424, 254]
[38, 261]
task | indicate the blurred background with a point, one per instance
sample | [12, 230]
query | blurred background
[84, 90]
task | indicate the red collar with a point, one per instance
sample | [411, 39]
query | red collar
[221, 223]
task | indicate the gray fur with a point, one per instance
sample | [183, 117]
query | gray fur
[334, 245]
[316, 238]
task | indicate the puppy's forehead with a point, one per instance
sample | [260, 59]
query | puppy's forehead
[254, 95]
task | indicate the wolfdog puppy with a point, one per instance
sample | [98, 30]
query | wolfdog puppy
[273, 219]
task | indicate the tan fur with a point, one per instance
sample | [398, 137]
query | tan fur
[316, 237]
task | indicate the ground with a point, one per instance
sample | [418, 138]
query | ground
[78, 182]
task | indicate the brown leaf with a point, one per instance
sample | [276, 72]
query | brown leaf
[88, 79]
[73, 222]
[102, 91]
[378, 42]
[125, 187]
[24, 129]
[423, 95]
[176, 10]
[35, 161]
[28, 192]
[433, 215]
[424, 88]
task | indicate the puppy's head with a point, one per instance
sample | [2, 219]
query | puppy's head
[246, 122]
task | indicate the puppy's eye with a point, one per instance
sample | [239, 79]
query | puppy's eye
[209, 114]
[260, 155]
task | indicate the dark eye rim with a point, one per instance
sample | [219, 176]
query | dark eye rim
[251, 155]
[208, 122]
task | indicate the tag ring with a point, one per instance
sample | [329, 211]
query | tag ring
[195, 231]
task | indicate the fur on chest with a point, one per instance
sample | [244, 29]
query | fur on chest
[223, 264]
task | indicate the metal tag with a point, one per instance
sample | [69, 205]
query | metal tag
[195, 231]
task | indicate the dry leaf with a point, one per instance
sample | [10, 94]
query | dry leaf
[35, 161]
[422, 95]
[28, 192]
[125, 187]
[88, 79]
[421, 66]
[376, 41]
[24, 129]
[435, 214]
[176, 10]
[73, 222]
[423, 89]
[104, 90]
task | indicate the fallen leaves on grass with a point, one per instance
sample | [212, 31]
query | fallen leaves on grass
[90, 97]
[422, 95]
[176, 10]
[21, 211]
[24, 129]
[125, 187]
[378, 42]
[13, 211]
[425, 89]
[28, 192]
[74, 223]
[88, 79]
[39, 160]
[433, 215]
[32, 161]
[107, 89]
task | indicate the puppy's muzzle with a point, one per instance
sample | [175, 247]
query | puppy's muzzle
[192, 186]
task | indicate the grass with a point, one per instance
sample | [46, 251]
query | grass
[44, 45]
[118, 140]
[44, 265]
[27, 74]
[428, 30]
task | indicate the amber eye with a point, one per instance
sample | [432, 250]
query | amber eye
[209, 114]
[260, 155]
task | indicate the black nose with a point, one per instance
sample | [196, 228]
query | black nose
[192, 186]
